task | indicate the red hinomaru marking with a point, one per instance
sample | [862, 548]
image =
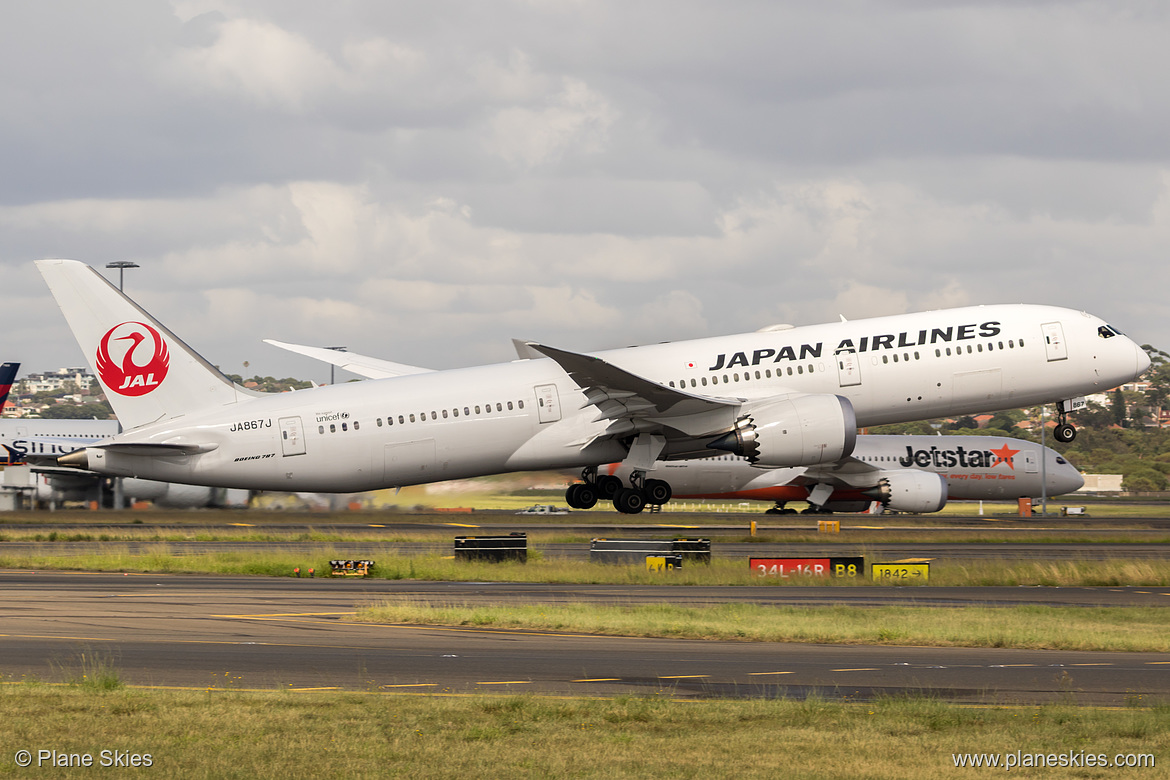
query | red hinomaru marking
[130, 378]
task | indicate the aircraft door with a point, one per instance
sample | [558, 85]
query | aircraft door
[548, 403]
[1054, 341]
[848, 367]
[1031, 465]
[292, 440]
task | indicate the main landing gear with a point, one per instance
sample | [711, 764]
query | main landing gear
[1064, 432]
[627, 500]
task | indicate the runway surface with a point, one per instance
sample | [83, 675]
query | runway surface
[205, 631]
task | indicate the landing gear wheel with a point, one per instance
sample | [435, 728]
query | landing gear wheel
[571, 495]
[629, 501]
[1064, 433]
[608, 487]
[658, 492]
[581, 496]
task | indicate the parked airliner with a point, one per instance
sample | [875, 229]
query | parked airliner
[30, 436]
[781, 397]
[902, 473]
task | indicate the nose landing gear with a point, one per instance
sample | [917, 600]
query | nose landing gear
[1064, 432]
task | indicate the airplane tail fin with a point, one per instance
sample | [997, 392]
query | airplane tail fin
[7, 377]
[147, 372]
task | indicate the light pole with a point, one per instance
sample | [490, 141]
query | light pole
[121, 265]
[331, 366]
[1043, 468]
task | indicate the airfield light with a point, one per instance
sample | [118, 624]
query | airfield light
[331, 366]
[122, 265]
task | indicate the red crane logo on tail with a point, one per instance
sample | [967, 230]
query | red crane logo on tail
[126, 376]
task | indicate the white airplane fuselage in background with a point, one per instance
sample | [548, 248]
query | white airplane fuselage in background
[787, 397]
[20, 438]
[906, 473]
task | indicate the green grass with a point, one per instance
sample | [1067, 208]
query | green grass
[244, 734]
[1025, 626]
[162, 558]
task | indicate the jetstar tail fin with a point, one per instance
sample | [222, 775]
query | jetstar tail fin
[147, 372]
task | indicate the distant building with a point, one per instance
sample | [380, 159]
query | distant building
[55, 381]
[1101, 483]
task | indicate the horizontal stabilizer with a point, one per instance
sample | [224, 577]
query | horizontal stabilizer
[80, 458]
[362, 365]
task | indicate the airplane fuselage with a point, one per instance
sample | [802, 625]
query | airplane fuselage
[975, 468]
[530, 414]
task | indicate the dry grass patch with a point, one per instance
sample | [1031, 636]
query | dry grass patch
[1031, 627]
[249, 735]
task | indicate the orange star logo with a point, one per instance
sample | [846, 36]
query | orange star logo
[1004, 455]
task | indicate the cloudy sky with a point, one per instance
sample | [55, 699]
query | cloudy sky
[424, 181]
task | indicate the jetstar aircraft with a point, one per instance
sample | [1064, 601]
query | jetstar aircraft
[782, 397]
[902, 473]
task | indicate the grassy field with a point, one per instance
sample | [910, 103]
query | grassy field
[244, 734]
[1024, 626]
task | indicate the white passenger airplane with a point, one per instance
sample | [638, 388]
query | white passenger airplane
[29, 436]
[902, 473]
[783, 397]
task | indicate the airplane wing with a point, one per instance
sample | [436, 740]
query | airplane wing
[636, 404]
[362, 365]
[846, 472]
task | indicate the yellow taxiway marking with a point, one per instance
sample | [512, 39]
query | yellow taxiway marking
[599, 679]
[757, 674]
[462, 525]
[329, 688]
[1148, 663]
[1142, 591]
[1095, 664]
[1010, 666]
[868, 527]
[243, 525]
[680, 676]
[913, 560]
[372, 525]
[674, 525]
[507, 682]
[283, 614]
[412, 685]
[854, 670]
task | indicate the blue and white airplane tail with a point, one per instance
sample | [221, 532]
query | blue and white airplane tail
[7, 377]
[147, 372]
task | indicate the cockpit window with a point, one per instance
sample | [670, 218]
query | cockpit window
[1061, 461]
[1108, 331]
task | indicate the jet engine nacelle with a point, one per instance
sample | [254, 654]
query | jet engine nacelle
[910, 490]
[795, 430]
[167, 494]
